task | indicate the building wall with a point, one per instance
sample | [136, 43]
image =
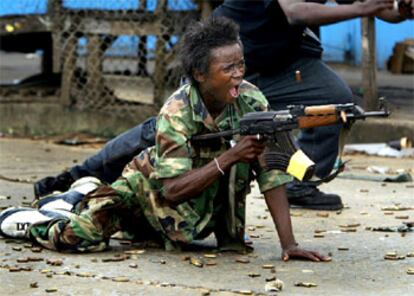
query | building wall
[342, 41]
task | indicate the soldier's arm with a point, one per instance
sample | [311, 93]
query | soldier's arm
[299, 12]
[278, 206]
[192, 183]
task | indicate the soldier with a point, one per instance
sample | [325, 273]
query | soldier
[176, 192]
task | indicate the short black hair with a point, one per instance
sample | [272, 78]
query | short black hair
[200, 38]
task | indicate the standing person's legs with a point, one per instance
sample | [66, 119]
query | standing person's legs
[108, 163]
[318, 85]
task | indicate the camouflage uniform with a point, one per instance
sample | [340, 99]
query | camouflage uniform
[135, 202]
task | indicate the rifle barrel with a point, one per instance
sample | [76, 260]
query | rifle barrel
[216, 135]
[369, 114]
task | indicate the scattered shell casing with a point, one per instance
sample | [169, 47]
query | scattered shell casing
[36, 249]
[54, 262]
[253, 274]
[120, 279]
[35, 259]
[306, 284]
[242, 259]
[393, 256]
[323, 215]
[402, 217]
[245, 292]
[196, 262]
[348, 230]
[210, 255]
[84, 274]
[135, 252]
[268, 266]
[14, 269]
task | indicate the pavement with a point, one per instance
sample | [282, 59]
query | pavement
[358, 266]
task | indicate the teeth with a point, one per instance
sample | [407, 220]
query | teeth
[234, 92]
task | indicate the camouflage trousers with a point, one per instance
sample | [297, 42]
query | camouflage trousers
[131, 205]
[102, 213]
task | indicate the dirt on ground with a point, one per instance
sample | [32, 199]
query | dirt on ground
[358, 265]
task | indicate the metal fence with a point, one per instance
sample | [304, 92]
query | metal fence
[115, 55]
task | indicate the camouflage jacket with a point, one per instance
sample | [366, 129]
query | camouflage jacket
[183, 116]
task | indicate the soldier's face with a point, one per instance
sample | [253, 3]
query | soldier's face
[226, 71]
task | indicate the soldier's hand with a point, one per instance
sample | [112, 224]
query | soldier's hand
[406, 8]
[299, 253]
[373, 7]
[248, 148]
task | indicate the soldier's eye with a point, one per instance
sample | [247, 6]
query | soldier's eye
[228, 69]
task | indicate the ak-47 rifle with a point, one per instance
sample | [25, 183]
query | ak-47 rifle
[275, 126]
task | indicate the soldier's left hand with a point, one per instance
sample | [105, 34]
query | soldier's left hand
[296, 252]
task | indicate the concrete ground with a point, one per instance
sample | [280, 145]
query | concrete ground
[358, 266]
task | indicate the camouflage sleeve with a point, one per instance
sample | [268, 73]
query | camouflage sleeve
[270, 179]
[252, 98]
[171, 144]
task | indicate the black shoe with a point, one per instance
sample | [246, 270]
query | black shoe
[310, 197]
[47, 185]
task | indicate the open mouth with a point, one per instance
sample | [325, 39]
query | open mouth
[234, 91]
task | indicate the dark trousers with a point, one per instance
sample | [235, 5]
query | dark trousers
[318, 85]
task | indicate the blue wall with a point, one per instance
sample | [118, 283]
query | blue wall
[344, 40]
[8, 7]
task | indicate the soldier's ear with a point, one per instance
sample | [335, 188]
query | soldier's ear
[198, 76]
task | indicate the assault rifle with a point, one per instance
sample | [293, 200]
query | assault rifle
[275, 126]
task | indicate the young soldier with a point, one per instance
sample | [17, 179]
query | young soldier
[177, 192]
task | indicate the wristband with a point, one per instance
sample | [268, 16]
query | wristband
[218, 166]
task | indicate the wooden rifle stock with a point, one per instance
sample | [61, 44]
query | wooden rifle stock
[317, 120]
[320, 110]
[318, 116]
